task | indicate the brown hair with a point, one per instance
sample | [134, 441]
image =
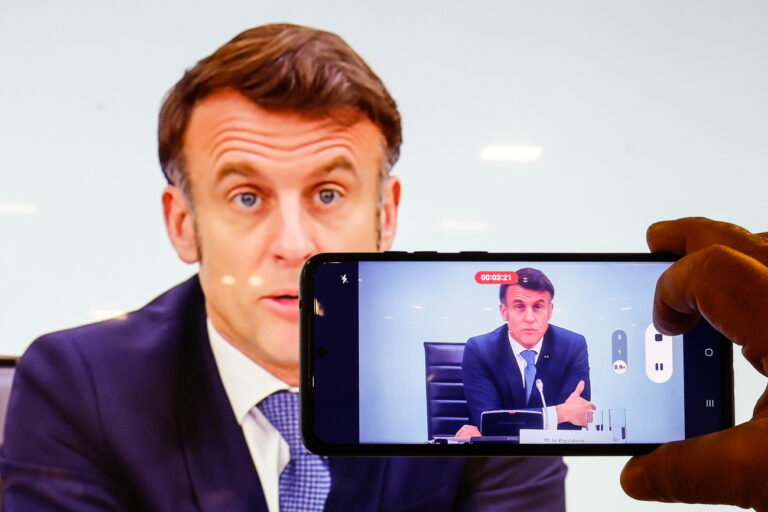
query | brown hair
[530, 279]
[280, 67]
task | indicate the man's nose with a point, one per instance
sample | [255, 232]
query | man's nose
[293, 243]
[528, 316]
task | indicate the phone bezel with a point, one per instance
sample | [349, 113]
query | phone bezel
[307, 373]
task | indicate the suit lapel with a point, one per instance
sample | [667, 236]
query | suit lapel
[357, 483]
[218, 460]
[512, 376]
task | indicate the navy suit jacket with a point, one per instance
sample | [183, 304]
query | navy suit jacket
[492, 378]
[131, 414]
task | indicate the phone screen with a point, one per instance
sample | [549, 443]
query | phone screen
[539, 353]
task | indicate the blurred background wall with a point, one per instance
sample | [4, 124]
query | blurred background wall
[528, 126]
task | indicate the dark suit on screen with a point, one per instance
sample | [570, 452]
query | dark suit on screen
[492, 378]
[132, 415]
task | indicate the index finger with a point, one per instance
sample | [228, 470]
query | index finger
[728, 288]
[686, 236]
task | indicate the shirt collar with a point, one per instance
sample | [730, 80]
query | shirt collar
[517, 347]
[245, 382]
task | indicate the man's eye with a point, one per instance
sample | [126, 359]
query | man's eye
[247, 199]
[328, 195]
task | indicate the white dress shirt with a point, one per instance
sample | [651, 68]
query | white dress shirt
[517, 349]
[247, 384]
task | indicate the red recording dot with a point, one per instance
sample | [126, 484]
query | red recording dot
[496, 277]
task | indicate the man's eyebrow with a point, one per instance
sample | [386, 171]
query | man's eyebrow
[238, 168]
[340, 163]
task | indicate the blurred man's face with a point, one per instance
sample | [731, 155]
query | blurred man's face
[527, 313]
[270, 190]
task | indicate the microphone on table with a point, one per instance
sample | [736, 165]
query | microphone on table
[540, 387]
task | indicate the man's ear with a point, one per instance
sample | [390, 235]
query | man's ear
[388, 213]
[503, 311]
[180, 225]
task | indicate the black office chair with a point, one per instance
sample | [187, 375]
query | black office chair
[447, 408]
[7, 367]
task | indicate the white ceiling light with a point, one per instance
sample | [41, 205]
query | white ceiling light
[108, 314]
[18, 209]
[463, 225]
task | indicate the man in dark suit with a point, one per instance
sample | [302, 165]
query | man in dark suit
[500, 368]
[275, 147]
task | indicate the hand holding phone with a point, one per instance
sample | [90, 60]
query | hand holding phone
[723, 278]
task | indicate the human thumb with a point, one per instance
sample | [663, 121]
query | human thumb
[728, 467]
[579, 390]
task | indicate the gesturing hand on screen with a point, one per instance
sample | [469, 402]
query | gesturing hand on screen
[724, 278]
[574, 409]
[468, 431]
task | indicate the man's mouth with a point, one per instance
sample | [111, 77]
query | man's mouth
[284, 298]
[285, 304]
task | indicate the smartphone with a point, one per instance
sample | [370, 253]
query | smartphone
[538, 354]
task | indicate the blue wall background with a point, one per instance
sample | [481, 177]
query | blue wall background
[403, 305]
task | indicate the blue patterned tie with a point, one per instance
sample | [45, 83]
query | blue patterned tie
[306, 480]
[530, 371]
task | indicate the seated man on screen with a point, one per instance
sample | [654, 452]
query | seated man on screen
[500, 368]
[276, 147]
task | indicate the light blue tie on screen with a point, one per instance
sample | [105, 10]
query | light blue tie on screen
[306, 480]
[530, 371]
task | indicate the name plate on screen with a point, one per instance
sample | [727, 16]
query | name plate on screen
[538, 436]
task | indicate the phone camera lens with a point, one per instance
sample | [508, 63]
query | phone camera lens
[322, 351]
[659, 337]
